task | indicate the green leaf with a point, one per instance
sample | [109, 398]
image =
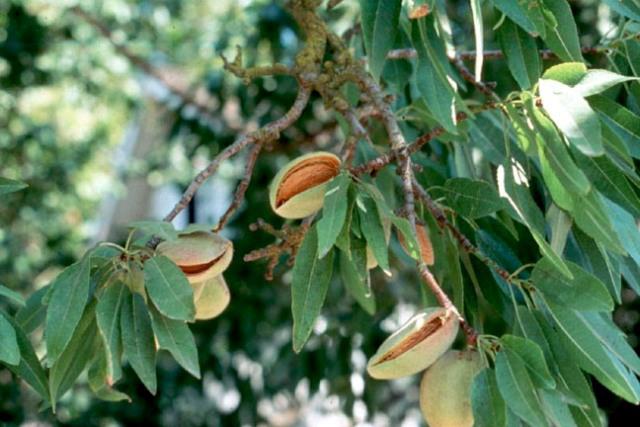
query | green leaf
[74, 359]
[410, 241]
[583, 292]
[431, 76]
[12, 295]
[624, 122]
[161, 229]
[597, 81]
[555, 151]
[592, 218]
[98, 380]
[517, 389]
[70, 292]
[9, 349]
[612, 338]
[472, 198]
[29, 369]
[533, 358]
[562, 32]
[168, 288]
[373, 230]
[526, 14]
[108, 319]
[602, 264]
[560, 224]
[34, 312]
[556, 409]
[521, 53]
[527, 212]
[478, 35]
[379, 29]
[311, 277]
[609, 180]
[626, 229]
[568, 73]
[175, 337]
[355, 276]
[527, 326]
[627, 8]
[334, 212]
[137, 339]
[487, 403]
[591, 355]
[10, 186]
[573, 116]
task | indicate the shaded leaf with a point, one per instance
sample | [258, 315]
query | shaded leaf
[34, 312]
[379, 29]
[562, 32]
[137, 339]
[583, 292]
[517, 389]
[12, 295]
[334, 212]
[10, 186]
[175, 336]
[311, 277]
[472, 198]
[108, 311]
[70, 292]
[9, 349]
[486, 401]
[521, 53]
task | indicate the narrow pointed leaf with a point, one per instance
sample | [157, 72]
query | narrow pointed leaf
[168, 288]
[334, 213]
[311, 277]
[137, 340]
[175, 337]
[70, 292]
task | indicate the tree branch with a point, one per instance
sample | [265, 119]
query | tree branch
[267, 133]
[545, 54]
[238, 197]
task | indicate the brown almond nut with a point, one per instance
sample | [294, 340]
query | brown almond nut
[445, 389]
[416, 345]
[297, 191]
[201, 255]
[424, 241]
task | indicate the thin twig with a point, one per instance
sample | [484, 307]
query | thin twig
[444, 223]
[444, 301]
[267, 133]
[545, 54]
[466, 74]
[238, 196]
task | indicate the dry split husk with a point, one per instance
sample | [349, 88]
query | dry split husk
[201, 255]
[416, 345]
[297, 191]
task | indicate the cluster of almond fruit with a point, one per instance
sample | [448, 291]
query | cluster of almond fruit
[423, 343]
[203, 256]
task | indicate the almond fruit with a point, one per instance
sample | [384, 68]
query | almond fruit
[298, 189]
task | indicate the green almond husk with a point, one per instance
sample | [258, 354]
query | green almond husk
[445, 389]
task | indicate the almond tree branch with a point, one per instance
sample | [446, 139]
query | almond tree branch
[269, 132]
[444, 223]
[238, 196]
[545, 54]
